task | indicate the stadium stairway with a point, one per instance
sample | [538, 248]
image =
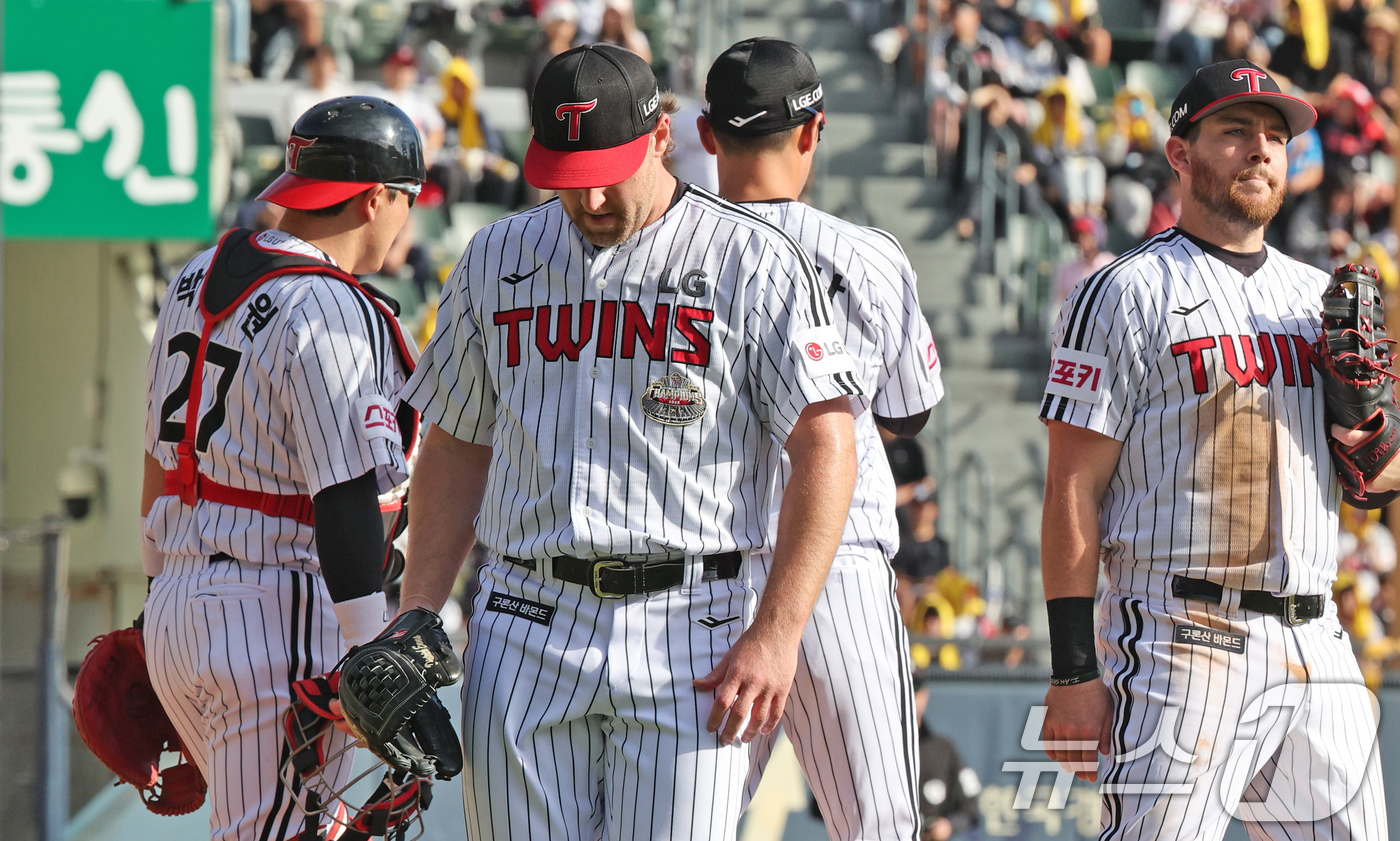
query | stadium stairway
[870, 170]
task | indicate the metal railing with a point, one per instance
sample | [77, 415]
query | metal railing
[1001, 157]
[972, 513]
[55, 692]
[712, 26]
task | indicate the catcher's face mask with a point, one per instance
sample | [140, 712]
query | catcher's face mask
[317, 774]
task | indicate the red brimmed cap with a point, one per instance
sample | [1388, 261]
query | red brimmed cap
[1228, 83]
[593, 112]
[297, 193]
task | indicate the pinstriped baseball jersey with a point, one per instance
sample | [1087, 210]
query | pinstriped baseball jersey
[850, 712]
[663, 367]
[1209, 379]
[876, 305]
[288, 380]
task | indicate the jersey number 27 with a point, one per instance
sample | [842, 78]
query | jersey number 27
[223, 356]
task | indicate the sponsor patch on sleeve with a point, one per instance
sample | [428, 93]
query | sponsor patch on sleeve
[377, 419]
[823, 353]
[1077, 375]
[1188, 635]
[931, 354]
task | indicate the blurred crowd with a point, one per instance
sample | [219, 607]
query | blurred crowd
[936, 598]
[1367, 592]
[1081, 89]
[272, 39]
[429, 58]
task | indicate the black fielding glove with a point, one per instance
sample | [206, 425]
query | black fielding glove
[388, 692]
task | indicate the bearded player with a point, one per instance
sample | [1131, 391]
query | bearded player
[1200, 447]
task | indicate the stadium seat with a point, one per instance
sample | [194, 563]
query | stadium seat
[1163, 81]
[1107, 81]
[1122, 16]
[380, 21]
[257, 131]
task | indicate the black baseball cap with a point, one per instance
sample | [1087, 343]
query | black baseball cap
[593, 112]
[1227, 83]
[761, 86]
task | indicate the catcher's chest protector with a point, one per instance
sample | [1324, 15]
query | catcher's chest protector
[239, 268]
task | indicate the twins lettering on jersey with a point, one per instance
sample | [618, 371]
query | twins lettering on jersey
[1251, 359]
[618, 325]
[1246, 360]
[674, 333]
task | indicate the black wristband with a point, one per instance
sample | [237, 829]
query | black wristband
[1071, 621]
[1076, 679]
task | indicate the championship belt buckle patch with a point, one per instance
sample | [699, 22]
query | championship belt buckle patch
[673, 400]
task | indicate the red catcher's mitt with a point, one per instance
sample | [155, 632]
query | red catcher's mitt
[121, 720]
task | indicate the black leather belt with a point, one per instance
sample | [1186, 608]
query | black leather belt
[1295, 610]
[614, 578]
[221, 556]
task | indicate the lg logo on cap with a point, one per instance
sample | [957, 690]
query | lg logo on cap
[1250, 75]
[573, 112]
[807, 100]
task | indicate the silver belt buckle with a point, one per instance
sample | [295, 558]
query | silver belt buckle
[596, 574]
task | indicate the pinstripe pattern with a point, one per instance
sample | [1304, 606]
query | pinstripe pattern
[1208, 381]
[226, 640]
[1330, 743]
[587, 725]
[290, 421]
[874, 291]
[1211, 483]
[850, 713]
[628, 485]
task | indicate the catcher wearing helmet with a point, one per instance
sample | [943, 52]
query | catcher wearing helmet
[272, 429]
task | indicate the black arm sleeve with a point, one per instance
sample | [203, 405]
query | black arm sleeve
[350, 538]
[904, 427]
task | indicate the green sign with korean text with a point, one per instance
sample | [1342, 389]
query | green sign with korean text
[106, 115]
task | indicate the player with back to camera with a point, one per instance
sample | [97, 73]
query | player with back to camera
[852, 715]
[263, 531]
[1200, 443]
[612, 377]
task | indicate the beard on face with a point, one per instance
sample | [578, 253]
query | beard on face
[1224, 195]
[627, 220]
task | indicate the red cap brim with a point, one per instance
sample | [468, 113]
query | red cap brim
[298, 193]
[1298, 113]
[581, 170]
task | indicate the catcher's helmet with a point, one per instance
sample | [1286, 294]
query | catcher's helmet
[316, 772]
[342, 146]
